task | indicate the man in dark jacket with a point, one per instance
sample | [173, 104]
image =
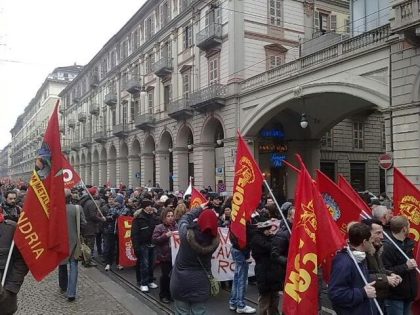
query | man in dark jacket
[401, 296]
[190, 286]
[17, 268]
[142, 229]
[347, 291]
[10, 209]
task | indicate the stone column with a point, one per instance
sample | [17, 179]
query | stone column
[88, 175]
[122, 170]
[112, 172]
[162, 169]
[180, 168]
[134, 168]
[147, 166]
[95, 173]
[204, 165]
[102, 176]
[236, 41]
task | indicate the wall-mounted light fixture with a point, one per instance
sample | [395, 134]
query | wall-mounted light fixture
[170, 150]
[303, 121]
[189, 146]
[219, 142]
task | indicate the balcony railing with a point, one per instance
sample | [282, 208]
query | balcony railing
[66, 149]
[81, 117]
[179, 109]
[133, 86]
[120, 130]
[209, 37]
[163, 67]
[100, 136]
[75, 146]
[94, 109]
[407, 15]
[71, 122]
[209, 98]
[144, 121]
[86, 142]
[111, 99]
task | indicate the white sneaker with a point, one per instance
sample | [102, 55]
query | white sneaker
[144, 288]
[232, 307]
[107, 267]
[152, 285]
[119, 267]
[246, 310]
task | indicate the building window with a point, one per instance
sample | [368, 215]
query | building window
[213, 16]
[164, 14]
[276, 10]
[333, 22]
[150, 96]
[214, 69]
[358, 175]
[188, 40]
[326, 140]
[358, 135]
[347, 25]
[186, 84]
[125, 112]
[328, 168]
[275, 55]
[113, 59]
[167, 95]
[124, 50]
[149, 28]
[149, 63]
[124, 80]
[104, 68]
[113, 116]
[133, 106]
[135, 40]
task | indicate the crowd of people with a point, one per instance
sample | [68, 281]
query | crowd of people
[93, 214]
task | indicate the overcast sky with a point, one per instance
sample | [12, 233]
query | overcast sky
[38, 36]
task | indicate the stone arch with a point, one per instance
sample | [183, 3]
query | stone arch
[112, 165]
[183, 157]
[95, 167]
[184, 135]
[103, 157]
[88, 168]
[148, 162]
[123, 163]
[212, 130]
[134, 161]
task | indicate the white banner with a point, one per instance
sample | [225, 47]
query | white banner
[222, 265]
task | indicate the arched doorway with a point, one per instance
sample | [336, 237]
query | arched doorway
[183, 155]
[103, 176]
[149, 163]
[164, 160]
[112, 166]
[95, 168]
[88, 169]
[123, 163]
[135, 165]
[83, 167]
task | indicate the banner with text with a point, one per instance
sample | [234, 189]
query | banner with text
[126, 252]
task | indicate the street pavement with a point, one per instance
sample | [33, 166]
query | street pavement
[97, 295]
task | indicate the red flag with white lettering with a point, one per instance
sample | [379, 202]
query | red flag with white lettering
[247, 190]
[196, 198]
[70, 176]
[41, 233]
[127, 258]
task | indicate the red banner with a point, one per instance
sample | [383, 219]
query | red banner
[341, 207]
[346, 187]
[314, 238]
[41, 233]
[247, 190]
[196, 198]
[127, 258]
[70, 176]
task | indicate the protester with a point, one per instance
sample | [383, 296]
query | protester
[161, 237]
[241, 258]
[17, 268]
[10, 209]
[180, 210]
[267, 268]
[142, 229]
[67, 279]
[225, 219]
[93, 218]
[384, 215]
[347, 291]
[400, 297]
[190, 286]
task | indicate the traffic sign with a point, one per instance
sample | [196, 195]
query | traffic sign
[385, 161]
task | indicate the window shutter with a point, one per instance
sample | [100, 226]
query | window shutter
[333, 23]
[316, 20]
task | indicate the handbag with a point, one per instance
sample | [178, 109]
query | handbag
[214, 284]
[82, 252]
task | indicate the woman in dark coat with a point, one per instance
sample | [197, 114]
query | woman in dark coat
[190, 286]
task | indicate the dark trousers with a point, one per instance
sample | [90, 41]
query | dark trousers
[8, 302]
[138, 273]
[166, 268]
[146, 257]
[268, 303]
[98, 239]
[111, 242]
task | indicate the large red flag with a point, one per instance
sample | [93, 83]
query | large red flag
[70, 176]
[407, 203]
[41, 233]
[314, 238]
[196, 198]
[349, 190]
[342, 208]
[247, 190]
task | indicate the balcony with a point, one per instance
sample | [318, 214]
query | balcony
[66, 149]
[75, 146]
[111, 99]
[81, 117]
[179, 109]
[99, 136]
[120, 130]
[209, 37]
[133, 86]
[76, 99]
[407, 18]
[94, 81]
[71, 122]
[94, 109]
[163, 67]
[209, 98]
[86, 142]
[144, 121]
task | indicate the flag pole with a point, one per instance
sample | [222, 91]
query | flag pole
[278, 207]
[391, 240]
[91, 197]
[9, 257]
[363, 277]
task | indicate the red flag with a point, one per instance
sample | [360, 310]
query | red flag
[247, 190]
[41, 233]
[70, 176]
[196, 198]
[314, 238]
[346, 187]
[415, 308]
[126, 257]
[342, 208]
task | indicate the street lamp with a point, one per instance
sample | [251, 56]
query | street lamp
[303, 121]
[219, 142]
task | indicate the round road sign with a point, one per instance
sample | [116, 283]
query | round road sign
[385, 161]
